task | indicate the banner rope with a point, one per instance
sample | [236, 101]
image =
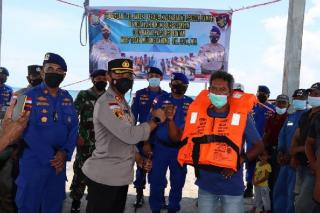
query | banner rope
[77, 82]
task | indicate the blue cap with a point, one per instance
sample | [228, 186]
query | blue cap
[215, 29]
[55, 59]
[180, 76]
[96, 73]
[155, 70]
[4, 70]
[263, 88]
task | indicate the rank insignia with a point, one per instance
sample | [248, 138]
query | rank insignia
[119, 113]
[44, 119]
[44, 111]
[41, 98]
[118, 98]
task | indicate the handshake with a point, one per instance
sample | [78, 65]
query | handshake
[165, 113]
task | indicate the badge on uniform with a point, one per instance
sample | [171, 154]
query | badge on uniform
[44, 111]
[41, 98]
[116, 109]
[69, 119]
[44, 119]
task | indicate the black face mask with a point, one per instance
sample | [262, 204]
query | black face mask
[53, 80]
[178, 89]
[262, 98]
[100, 85]
[35, 82]
[123, 85]
[3, 80]
[214, 39]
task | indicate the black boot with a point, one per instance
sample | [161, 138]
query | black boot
[139, 199]
[155, 211]
[75, 207]
[249, 191]
[164, 203]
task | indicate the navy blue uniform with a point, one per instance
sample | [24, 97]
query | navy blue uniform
[141, 108]
[5, 97]
[165, 155]
[283, 192]
[53, 126]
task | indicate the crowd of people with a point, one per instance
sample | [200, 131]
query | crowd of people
[226, 134]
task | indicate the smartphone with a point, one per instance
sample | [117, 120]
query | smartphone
[19, 107]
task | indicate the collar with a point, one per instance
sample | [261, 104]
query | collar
[214, 114]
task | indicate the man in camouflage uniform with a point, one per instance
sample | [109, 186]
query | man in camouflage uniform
[84, 105]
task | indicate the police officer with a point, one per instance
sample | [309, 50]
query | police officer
[141, 108]
[50, 140]
[283, 192]
[104, 50]
[110, 168]
[84, 105]
[5, 91]
[261, 112]
[33, 78]
[165, 151]
[212, 55]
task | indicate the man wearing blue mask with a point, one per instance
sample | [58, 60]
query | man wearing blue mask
[302, 157]
[165, 150]
[216, 124]
[283, 193]
[311, 135]
[140, 108]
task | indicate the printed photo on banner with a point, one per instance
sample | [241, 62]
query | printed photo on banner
[192, 41]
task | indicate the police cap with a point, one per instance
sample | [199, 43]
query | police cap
[120, 65]
[180, 76]
[4, 71]
[34, 69]
[155, 70]
[96, 73]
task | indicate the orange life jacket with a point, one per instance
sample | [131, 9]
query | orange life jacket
[215, 143]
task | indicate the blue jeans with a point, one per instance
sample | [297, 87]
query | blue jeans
[209, 203]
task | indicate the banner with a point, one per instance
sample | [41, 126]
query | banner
[192, 41]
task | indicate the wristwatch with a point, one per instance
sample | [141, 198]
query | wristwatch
[157, 120]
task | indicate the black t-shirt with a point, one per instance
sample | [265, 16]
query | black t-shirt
[304, 125]
[314, 131]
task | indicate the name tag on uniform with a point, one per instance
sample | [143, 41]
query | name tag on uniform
[193, 118]
[235, 119]
[290, 124]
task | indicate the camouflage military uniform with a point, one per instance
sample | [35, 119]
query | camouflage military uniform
[84, 105]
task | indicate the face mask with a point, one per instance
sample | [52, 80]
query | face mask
[314, 101]
[178, 89]
[100, 85]
[214, 39]
[3, 80]
[123, 85]
[280, 111]
[218, 100]
[154, 82]
[262, 98]
[53, 80]
[299, 104]
[35, 82]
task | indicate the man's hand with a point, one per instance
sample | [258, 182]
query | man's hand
[59, 161]
[170, 111]
[294, 163]
[147, 165]
[313, 166]
[160, 114]
[227, 173]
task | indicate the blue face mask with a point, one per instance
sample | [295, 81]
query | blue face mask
[299, 104]
[218, 100]
[280, 111]
[314, 101]
[154, 82]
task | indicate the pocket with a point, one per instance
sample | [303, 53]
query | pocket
[44, 116]
[69, 117]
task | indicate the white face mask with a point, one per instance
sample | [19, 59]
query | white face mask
[314, 101]
[281, 111]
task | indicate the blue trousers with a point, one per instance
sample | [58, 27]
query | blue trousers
[283, 191]
[164, 158]
[40, 188]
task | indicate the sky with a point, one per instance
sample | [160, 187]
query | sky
[32, 28]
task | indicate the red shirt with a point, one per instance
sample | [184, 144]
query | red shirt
[273, 127]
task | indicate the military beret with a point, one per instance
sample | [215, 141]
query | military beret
[282, 97]
[55, 59]
[179, 76]
[263, 88]
[96, 73]
[4, 70]
[215, 29]
[155, 70]
[120, 65]
[34, 69]
[314, 86]
[299, 93]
